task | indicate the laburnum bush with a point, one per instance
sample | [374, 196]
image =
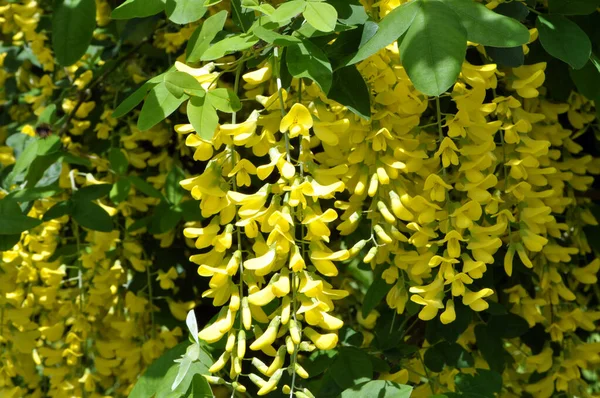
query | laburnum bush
[299, 198]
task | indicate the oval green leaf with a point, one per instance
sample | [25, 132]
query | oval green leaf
[308, 60]
[184, 11]
[379, 389]
[389, 30]
[487, 27]
[73, 26]
[202, 116]
[138, 9]
[573, 7]
[321, 16]
[203, 35]
[563, 39]
[434, 48]
[159, 104]
[92, 216]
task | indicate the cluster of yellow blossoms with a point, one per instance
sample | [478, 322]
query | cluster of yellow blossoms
[463, 202]
[435, 204]
[77, 311]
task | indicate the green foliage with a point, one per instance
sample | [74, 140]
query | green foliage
[72, 29]
[379, 389]
[564, 40]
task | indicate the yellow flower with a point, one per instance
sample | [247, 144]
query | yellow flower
[298, 121]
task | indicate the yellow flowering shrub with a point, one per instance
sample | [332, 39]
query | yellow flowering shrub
[316, 198]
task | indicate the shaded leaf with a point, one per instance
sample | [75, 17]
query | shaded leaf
[159, 104]
[204, 35]
[487, 27]
[92, 192]
[563, 39]
[73, 25]
[378, 389]
[224, 100]
[137, 9]
[58, 210]
[393, 25]
[307, 60]
[92, 216]
[228, 45]
[573, 7]
[434, 48]
[202, 116]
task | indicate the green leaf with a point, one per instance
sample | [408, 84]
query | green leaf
[487, 27]
[307, 60]
[242, 17]
[185, 11]
[132, 101]
[69, 158]
[13, 220]
[228, 45]
[144, 187]
[436, 331]
[288, 10]
[390, 29]
[564, 40]
[450, 354]
[184, 366]
[272, 37]
[587, 79]
[7, 242]
[491, 347]
[73, 25]
[159, 104]
[483, 384]
[48, 145]
[321, 16]
[147, 385]
[352, 366]
[179, 83]
[350, 12]
[92, 192]
[573, 7]
[202, 116]
[224, 100]
[137, 9]
[200, 388]
[378, 389]
[24, 160]
[29, 194]
[44, 170]
[434, 47]
[378, 289]
[508, 326]
[190, 210]
[118, 161]
[92, 216]
[174, 192]
[58, 210]
[353, 96]
[48, 115]
[509, 57]
[515, 9]
[139, 224]
[200, 40]
[185, 388]
[120, 190]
